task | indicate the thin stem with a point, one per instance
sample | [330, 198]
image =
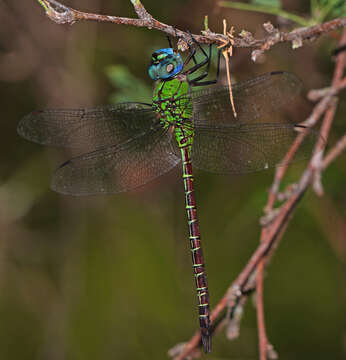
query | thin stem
[281, 170]
[336, 151]
[267, 10]
[329, 116]
[262, 335]
[140, 10]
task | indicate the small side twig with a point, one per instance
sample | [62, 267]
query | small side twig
[262, 334]
[336, 151]
[227, 53]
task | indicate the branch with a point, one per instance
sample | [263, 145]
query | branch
[62, 14]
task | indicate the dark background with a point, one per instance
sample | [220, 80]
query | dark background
[110, 276]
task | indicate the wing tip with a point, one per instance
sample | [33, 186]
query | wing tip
[27, 128]
[57, 184]
[288, 74]
[277, 72]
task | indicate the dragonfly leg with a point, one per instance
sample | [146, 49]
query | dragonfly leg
[194, 59]
[197, 66]
[169, 42]
[201, 48]
[192, 53]
[206, 72]
[197, 82]
[191, 56]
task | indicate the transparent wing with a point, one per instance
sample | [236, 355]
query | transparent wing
[256, 101]
[87, 129]
[246, 148]
[118, 168]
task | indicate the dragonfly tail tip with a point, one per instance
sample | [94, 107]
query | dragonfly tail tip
[206, 342]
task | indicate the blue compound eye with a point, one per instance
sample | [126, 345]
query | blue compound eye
[165, 64]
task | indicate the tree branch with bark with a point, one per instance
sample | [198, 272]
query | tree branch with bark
[62, 14]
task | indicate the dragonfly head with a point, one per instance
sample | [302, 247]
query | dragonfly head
[165, 64]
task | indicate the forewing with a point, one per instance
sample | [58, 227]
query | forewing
[247, 148]
[256, 101]
[87, 129]
[118, 168]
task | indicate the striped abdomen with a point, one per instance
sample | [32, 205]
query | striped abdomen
[196, 248]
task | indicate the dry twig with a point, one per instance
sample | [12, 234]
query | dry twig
[62, 14]
[227, 53]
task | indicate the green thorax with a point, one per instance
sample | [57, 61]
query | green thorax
[172, 101]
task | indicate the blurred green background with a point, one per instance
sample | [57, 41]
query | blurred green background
[109, 277]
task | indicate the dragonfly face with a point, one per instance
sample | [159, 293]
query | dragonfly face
[165, 64]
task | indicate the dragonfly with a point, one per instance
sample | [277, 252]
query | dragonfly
[124, 146]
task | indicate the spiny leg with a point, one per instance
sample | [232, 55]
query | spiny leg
[206, 61]
[206, 72]
[169, 42]
[198, 65]
[197, 81]
[191, 56]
